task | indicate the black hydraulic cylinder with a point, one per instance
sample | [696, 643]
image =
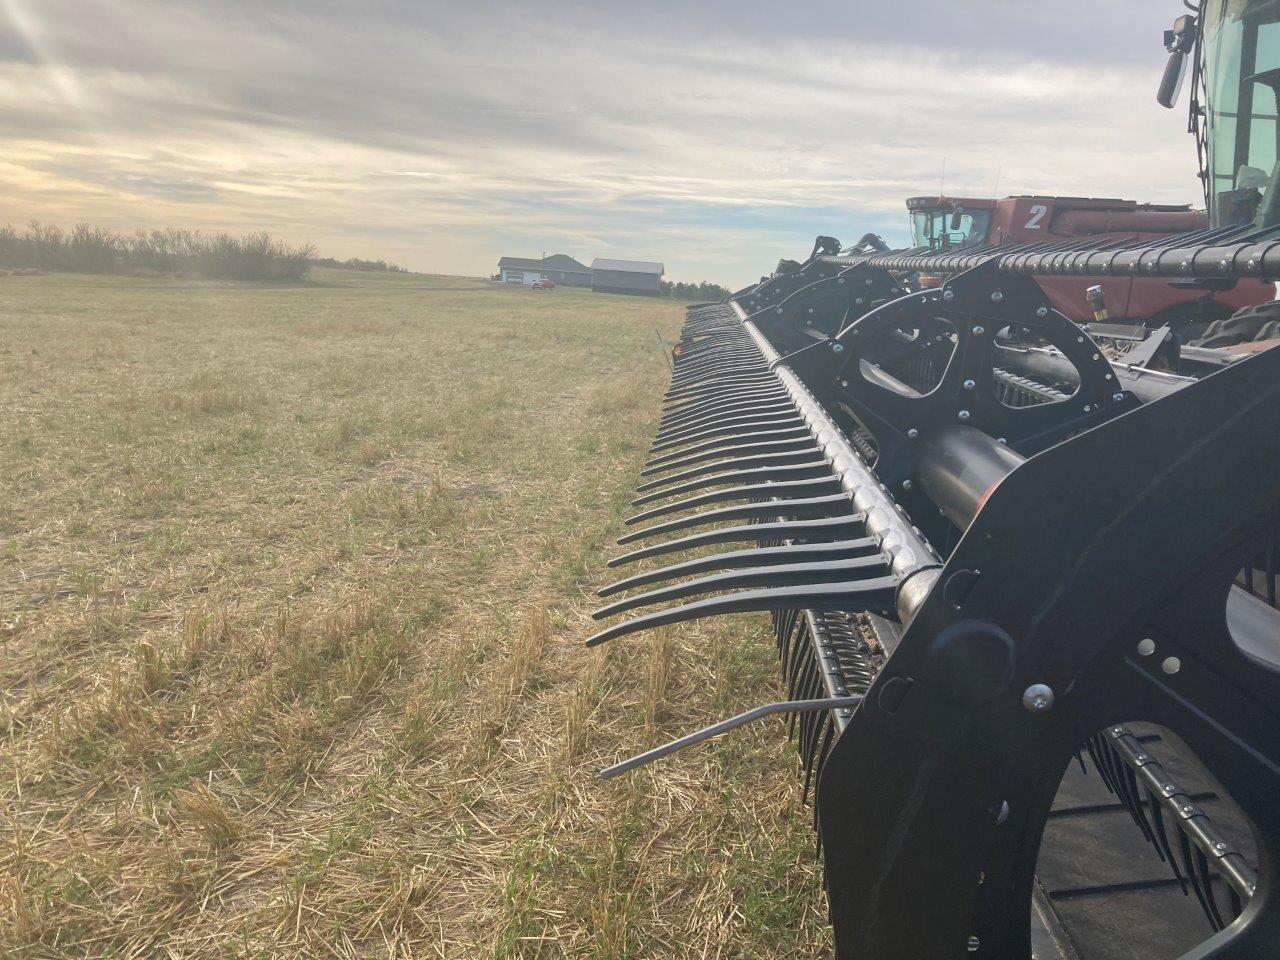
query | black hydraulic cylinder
[959, 467]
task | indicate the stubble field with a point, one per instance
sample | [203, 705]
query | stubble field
[293, 584]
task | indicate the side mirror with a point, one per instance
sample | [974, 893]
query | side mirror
[1179, 42]
[1175, 71]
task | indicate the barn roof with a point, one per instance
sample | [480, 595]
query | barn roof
[628, 266]
[557, 261]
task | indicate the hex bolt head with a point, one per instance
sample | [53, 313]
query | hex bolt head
[1042, 312]
[997, 296]
[1118, 397]
[811, 309]
[1038, 698]
[913, 433]
[969, 384]
[979, 331]
[963, 414]
[837, 347]
[858, 301]
[907, 484]
[948, 294]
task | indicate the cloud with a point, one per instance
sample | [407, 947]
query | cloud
[443, 136]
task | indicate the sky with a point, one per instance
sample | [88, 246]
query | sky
[714, 137]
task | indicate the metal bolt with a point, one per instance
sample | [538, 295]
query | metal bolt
[844, 383]
[1038, 698]
[969, 384]
[1002, 440]
[997, 295]
[979, 331]
[973, 944]
[811, 309]
[1220, 845]
[779, 310]
[1118, 397]
[963, 414]
[913, 433]
[948, 294]
[907, 484]
[1042, 312]
[837, 347]
[859, 300]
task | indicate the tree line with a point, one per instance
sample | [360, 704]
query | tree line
[694, 291]
[186, 253]
[355, 263]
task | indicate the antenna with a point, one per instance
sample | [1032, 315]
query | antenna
[942, 183]
[995, 188]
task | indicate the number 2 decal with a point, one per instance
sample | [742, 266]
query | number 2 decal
[1038, 210]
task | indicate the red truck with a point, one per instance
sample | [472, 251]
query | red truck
[952, 223]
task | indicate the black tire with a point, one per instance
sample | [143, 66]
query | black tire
[1244, 326]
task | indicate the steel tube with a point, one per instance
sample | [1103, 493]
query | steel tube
[959, 467]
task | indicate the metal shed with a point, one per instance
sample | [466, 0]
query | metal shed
[641, 277]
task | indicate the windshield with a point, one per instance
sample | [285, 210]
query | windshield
[1242, 67]
[933, 228]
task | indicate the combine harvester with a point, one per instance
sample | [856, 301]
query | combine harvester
[1024, 594]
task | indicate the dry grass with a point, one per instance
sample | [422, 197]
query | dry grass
[292, 589]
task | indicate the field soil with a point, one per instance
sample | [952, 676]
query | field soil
[293, 587]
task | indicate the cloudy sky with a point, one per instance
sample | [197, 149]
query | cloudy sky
[713, 136]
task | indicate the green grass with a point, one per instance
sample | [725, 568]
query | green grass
[293, 582]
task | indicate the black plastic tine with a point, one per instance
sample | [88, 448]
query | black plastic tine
[665, 439]
[738, 361]
[823, 528]
[1162, 838]
[814, 469]
[1189, 864]
[734, 439]
[868, 595]
[725, 419]
[711, 370]
[718, 384]
[725, 410]
[724, 394]
[727, 401]
[751, 557]
[827, 506]
[779, 575]
[769, 389]
[1202, 864]
[724, 377]
[804, 457]
[676, 461]
[786, 490]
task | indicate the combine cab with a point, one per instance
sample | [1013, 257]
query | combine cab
[1024, 594]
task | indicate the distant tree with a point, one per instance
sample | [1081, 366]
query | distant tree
[709, 292]
[219, 256]
[355, 263]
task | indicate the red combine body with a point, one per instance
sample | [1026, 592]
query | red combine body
[951, 223]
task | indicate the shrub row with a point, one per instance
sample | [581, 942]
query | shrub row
[217, 256]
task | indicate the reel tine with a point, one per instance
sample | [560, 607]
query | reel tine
[827, 506]
[825, 528]
[781, 490]
[876, 595]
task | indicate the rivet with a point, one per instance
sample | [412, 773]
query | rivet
[1171, 665]
[1146, 647]
[1038, 698]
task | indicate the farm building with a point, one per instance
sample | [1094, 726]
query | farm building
[627, 276]
[563, 269]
